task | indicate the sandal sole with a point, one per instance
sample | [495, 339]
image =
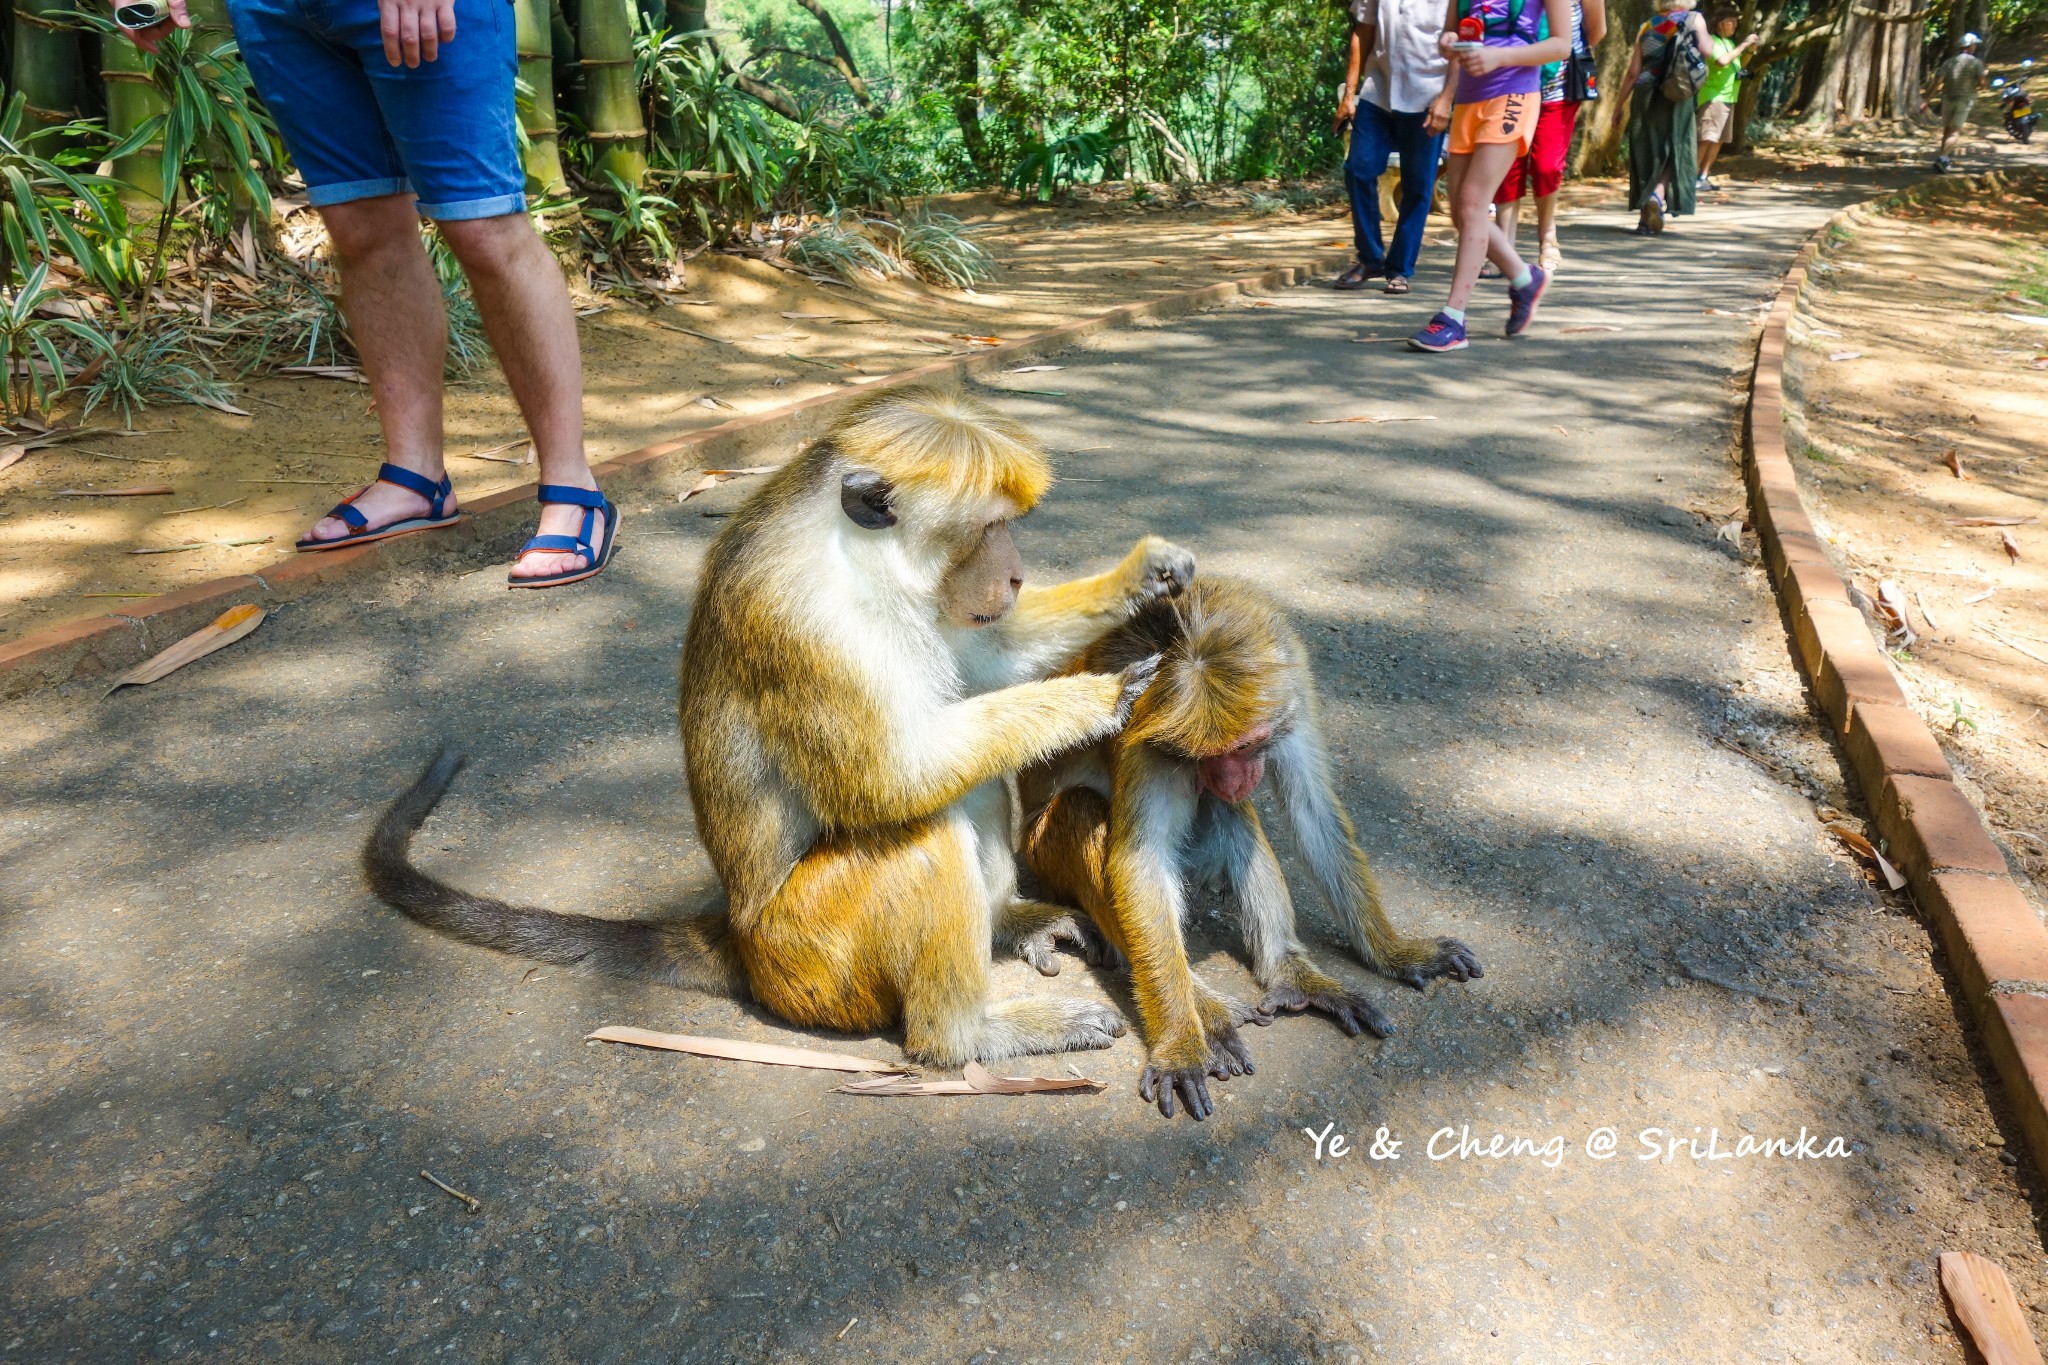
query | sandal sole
[611, 543]
[396, 528]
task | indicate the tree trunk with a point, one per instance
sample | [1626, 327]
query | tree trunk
[1864, 35]
[46, 69]
[1825, 102]
[1910, 71]
[611, 102]
[1599, 149]
[967, 113]
[537, 68]
[131, 102]
[687, 16]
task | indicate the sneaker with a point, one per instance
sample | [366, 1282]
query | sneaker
[1653, 215]
[1702, 184]
[1522, 302]
[1444, 333]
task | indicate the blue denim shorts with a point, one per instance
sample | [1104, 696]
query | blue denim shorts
[359, 127]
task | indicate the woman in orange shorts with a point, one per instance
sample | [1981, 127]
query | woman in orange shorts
[1497, 76]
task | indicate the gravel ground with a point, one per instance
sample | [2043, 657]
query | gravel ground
[222, 1067]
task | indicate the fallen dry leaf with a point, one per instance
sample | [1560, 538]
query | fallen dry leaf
[979, 341]
[140, 490]
[1863, 848]
[1730, 531]
[2012, 547]
[713, 477]
[1034, 369]
[11, 455]
[1845, 355]
[1891, 608]
[736, 1050]
[976, 1081]
[1954, 461]
[349, 373]
[1992, 521]
[1332, 421]
[1988, 1309]
[497, 456]
[219, 406]
[2012, 644]
[1589, 327]
[712, 401]
[230, 626]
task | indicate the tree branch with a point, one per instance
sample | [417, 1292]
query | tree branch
[842, 56]
[773, 98]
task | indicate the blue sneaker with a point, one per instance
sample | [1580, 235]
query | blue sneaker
[1444, 333]
[1522, 302]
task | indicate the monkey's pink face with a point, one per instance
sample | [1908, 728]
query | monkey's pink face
[1234, 774]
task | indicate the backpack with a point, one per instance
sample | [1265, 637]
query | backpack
[1513, 12]
[1685, 70]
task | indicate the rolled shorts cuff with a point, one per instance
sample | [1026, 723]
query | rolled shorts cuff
[348, 191]
[495, 207]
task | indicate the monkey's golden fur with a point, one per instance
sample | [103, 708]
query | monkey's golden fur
[1117, 828]
[851, 725]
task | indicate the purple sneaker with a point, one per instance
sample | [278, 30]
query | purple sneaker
[1522, 302]
[1444, 333]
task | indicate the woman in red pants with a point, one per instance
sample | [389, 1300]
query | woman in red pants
[1566, 85]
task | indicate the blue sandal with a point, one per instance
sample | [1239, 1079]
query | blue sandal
[595, 557]
[359, 529]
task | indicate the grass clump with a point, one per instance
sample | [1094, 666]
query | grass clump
[846, 253]
[937, 248]
[161, 364]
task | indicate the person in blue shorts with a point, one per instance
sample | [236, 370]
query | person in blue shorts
[395, 110]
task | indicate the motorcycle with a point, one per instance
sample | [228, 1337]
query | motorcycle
[2020, 117]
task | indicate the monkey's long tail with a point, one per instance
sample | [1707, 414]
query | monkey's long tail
[694, 951]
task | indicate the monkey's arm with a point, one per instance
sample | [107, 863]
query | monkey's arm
[909, 770]
[1050, 626]
[1329, 845]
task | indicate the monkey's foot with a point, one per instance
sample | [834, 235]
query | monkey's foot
[1352, 1011]
[1453, 959]
[1094, 1026]
[1189, 1085]
[1041, 948]
[1030, 1025]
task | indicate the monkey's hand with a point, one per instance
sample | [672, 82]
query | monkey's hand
[1135, 680]
[1157, 568]
[1189, 1085]
[1353, 1012]
[1452, 959]
[1041, 949]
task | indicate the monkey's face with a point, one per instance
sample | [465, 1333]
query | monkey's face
[981, 586]
[1233, 775]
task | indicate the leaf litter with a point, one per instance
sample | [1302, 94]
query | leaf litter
[714, 477]
[975, 1081]
[230, 626]
[739, 1050]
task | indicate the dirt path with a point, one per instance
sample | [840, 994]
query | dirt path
[1885, 385]
[222, 1068]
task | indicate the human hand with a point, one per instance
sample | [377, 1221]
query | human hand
[415, 29]
[1347, 105]
[1477, 61]
[1439, 116]
[1445, 40]
[148, 38]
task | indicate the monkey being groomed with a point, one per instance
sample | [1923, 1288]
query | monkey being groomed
[1118, 827]
[864, 675]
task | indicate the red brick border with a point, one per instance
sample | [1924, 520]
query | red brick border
[495, 524]
[1956, 873]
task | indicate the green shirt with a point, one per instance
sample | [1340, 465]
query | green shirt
[1723, 75]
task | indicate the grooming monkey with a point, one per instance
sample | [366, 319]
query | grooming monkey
[1118, 828]
[863, 676]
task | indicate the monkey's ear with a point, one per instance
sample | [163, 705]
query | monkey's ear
[868, 499]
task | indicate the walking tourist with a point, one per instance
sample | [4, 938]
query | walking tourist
[1662, 110]
[1724, 85]
[1395, 99]
[1961, 78]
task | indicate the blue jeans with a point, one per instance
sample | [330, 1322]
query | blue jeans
[358, 127]
[1375, 134]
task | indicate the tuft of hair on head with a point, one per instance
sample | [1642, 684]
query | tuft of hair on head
[1222, 671]
[920, 436]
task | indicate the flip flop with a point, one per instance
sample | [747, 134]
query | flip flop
[360, 532]
[595, 558]
[1397, 284]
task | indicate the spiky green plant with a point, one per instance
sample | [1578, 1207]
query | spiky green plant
[712, 149]
[938, 249]
[46, 204]
[845, 252]
[155, 364]
[32, 345]
[641, 218]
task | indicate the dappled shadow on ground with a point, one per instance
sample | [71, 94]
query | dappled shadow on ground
[226, 1066]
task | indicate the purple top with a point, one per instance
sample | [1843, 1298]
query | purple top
[1503, 80]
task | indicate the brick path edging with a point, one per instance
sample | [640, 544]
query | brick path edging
[1957, 875]
[497, 523]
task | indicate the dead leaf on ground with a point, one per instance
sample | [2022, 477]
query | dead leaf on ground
[1891, 609]
[2012, 547]
[1863, 848]
[1376, 341]
[976, 1081]
[1988, 1309]
[1386, 417]
[1589, 327]
[140, 490]
[230, 626]
[497, 456]
[1845, 355]
[714, 477]
[979, 341]
[737, 1050]
[1954, 460]
[202, 545]
[12, 455]
[1730, 531]
[1992, 521]
[348, 373]
[219, 406]
[713, 401]
[1034, 369]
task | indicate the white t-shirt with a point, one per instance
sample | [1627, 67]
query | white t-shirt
[1405, 69]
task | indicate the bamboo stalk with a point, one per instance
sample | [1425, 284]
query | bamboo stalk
[131, 101]
[537, 68]
[46, 66]
[611, 101]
